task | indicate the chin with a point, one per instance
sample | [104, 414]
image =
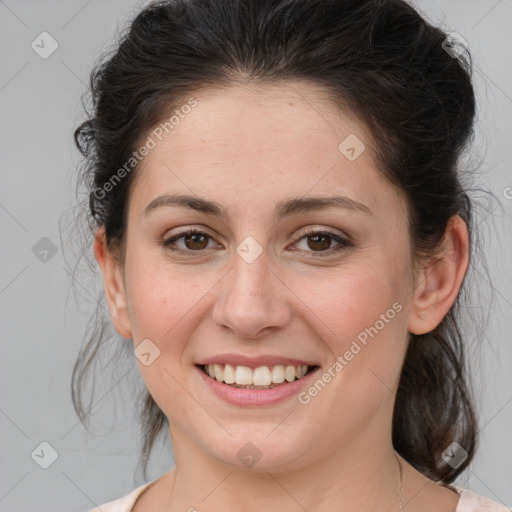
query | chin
[258, 451]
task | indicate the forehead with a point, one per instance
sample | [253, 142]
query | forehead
[263, 143]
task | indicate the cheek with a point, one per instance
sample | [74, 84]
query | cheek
[361, 317]
[162, 302]
[161, 297]
[355, 300]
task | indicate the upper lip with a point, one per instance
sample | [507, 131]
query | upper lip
[253, 362]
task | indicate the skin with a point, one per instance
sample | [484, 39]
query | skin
[247, 148]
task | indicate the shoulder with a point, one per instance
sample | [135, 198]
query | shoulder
[124, 504]
[472, 502]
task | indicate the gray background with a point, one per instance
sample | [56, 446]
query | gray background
[44, 318]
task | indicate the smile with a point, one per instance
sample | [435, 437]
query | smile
[262, 377]
[244, 386]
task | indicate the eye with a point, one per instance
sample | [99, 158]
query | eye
[320, 241]
[193, 239]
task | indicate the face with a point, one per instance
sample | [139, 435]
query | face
[263, 285]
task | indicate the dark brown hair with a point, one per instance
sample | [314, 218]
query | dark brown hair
[378, 58]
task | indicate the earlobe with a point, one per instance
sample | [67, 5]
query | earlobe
[440, 280]
[113, 284]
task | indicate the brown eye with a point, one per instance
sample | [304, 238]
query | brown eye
[320, 242]
[193, 240]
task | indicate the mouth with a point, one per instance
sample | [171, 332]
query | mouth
[259, 378]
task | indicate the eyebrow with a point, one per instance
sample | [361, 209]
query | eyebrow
[283, 208]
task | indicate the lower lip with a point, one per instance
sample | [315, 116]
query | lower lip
[248, 397]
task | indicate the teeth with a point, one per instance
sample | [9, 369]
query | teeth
[229, 374]
[289, 373]
[243, 376]
[261, 376]
[219, 373]
[278, 374]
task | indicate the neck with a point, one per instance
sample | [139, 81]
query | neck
[362, 476]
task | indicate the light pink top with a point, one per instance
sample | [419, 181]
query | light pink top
[468, 502]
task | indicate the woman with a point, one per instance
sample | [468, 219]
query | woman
[283, 233]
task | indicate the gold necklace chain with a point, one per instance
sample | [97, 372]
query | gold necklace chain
[400, 490]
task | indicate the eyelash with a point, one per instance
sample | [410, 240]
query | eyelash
[343, 242]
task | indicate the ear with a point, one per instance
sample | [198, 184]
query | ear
[439, 282]
[114, 286]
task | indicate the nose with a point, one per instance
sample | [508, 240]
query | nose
[252, 300]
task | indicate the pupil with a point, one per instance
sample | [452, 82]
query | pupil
[323, 246]
[194, 238]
